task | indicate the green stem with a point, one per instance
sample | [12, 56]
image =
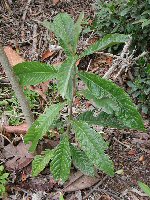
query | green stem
[71, 102]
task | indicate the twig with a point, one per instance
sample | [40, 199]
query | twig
[95, 187]
[16, 87]
[6, 138]
[123, 62]
[88, 65]
[34, 39]
[25, 12]
[109, 193]
[127, 146]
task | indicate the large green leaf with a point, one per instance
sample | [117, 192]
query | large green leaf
[105, 103]
[107, 41]
[102, 119]
[93, 144]
[31, 73]
[65, 78]
[77, 30]
[66, 31]
[81, 161]
[144, 187]
[127, 112]
[42, 125]
[40, 161]
[61, 162]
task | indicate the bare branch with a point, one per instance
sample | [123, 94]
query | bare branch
[16, 87]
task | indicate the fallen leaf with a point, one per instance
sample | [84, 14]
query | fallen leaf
[105, 197]
[55, 2]
[18, 156]
[78, 62]
[141, 159]
[23, 176]
[79, 181]
[47, 54]
[88, 104]
[120, 172]
[12, 56]
[109, 60]
[56, 64]
[77, 102]
[132, 152]
[39, 91]
[20, 129]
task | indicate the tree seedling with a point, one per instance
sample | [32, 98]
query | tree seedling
[113, 106]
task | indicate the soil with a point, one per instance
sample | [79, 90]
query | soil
[130, 150]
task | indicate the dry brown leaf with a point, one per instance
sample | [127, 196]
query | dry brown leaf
[55, 2]
[20, 129]
[57, 64]
[79, 181]
[141, 159]
[105, 197]
[132, 152]
[78, 62]
[39, 91]
[47, 54]
[17, 157]
[12, 56]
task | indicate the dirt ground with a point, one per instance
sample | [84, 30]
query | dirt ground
[130, 150]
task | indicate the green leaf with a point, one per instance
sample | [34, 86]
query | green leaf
[65, 78]
[93, 144]
[61, 162]
[61, 197]
[144, 187]
[127, 112]
[48, 25]
[102, 119]
[42, 125]
[106, 104]
[32, 73]
[1, 168]
[40, 161]
[107, 41]
[63, 28]
[81, 161]
[66, 31]
[77, 30]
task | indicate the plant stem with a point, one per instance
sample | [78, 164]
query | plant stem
[71, 102]
[16, 87]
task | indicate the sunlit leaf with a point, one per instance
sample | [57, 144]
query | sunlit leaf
[32, 73]
[107, 41]
[42, 125]
[65, 78]
[81, 161]
[61, 162]
[40, 161]
[93, 144]
[102, 119]
[127, 112]
[144, 187]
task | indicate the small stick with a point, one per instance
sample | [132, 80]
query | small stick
[127, 146]
[34, 45]
[25, 12]
[95, 187]
[6, 138]
[89, 65]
